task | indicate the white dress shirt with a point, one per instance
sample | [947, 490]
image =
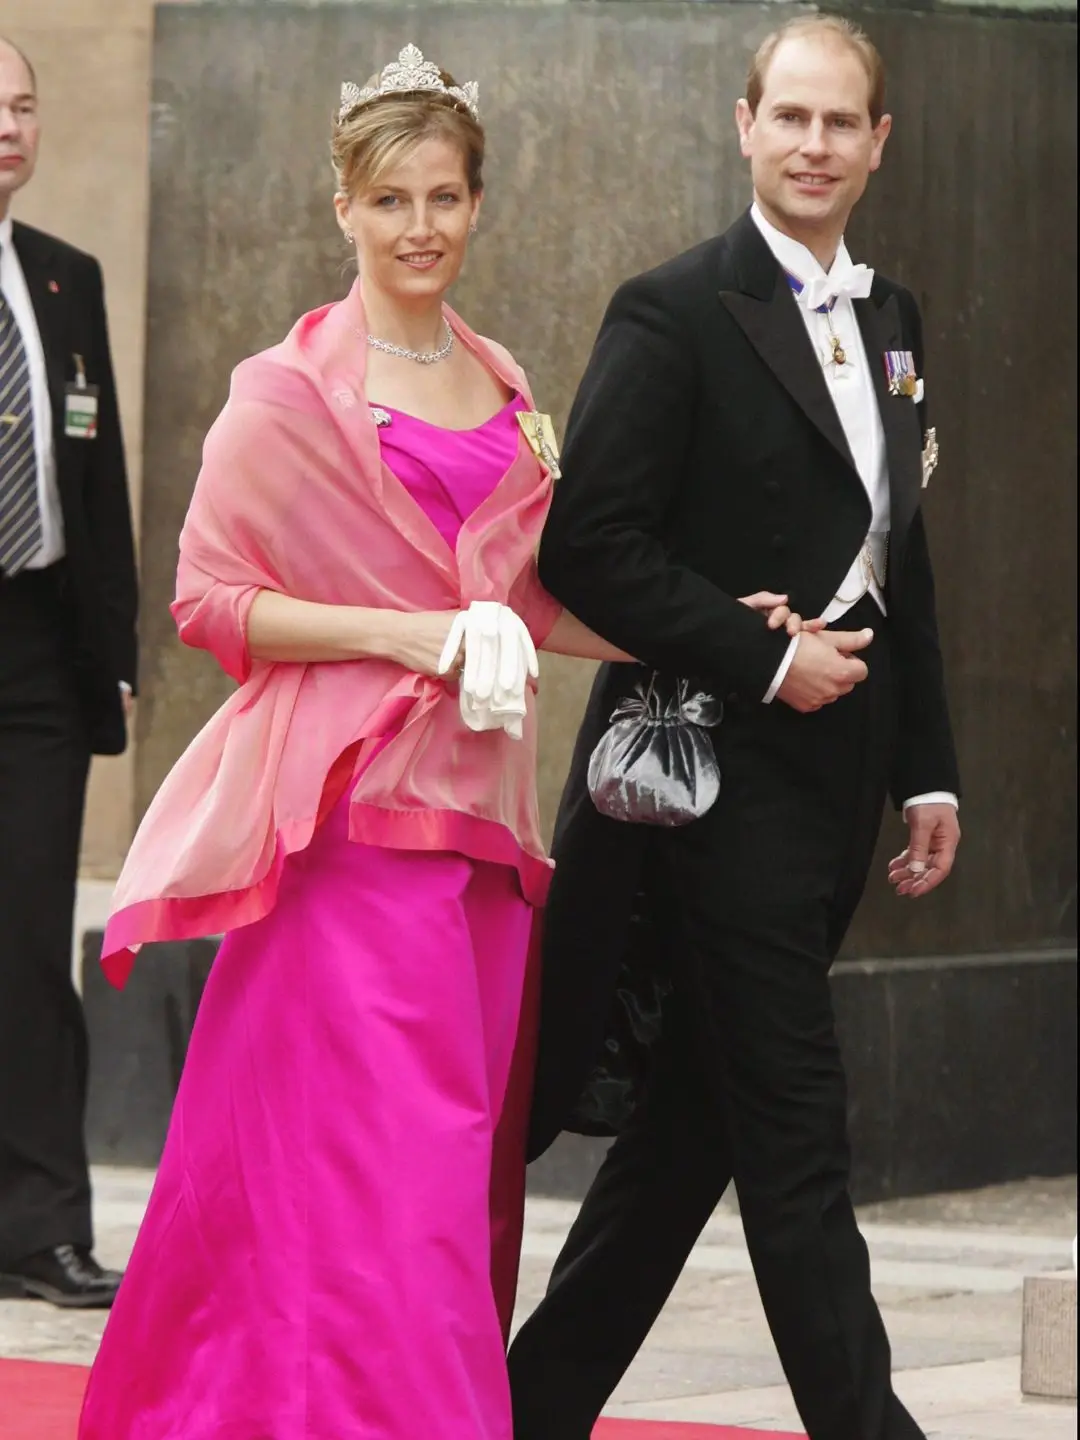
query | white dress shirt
[851, 387]
[13, 284]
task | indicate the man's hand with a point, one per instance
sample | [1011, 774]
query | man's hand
[779, 613]
[823, 668]
[934, 834]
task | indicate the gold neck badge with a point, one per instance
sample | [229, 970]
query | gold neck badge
[540, 433]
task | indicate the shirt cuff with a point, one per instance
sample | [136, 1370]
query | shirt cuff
[125, 688]
[781, 674]
[933, 797]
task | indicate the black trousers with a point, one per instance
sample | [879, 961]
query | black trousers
[748, 1085]
[44, 761]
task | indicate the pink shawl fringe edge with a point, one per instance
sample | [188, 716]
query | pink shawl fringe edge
[192, 917]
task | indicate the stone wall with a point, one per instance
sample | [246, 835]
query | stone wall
[92, 59]
[612, 147]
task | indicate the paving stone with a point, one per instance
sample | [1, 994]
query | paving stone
[710, 1357]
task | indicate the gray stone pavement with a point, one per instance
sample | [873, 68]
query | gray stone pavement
[948, 1274]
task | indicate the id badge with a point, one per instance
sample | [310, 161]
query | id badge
[80, 411]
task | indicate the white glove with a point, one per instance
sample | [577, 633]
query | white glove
[499, 659]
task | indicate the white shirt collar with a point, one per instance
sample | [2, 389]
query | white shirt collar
[7, 229]
[795, 258]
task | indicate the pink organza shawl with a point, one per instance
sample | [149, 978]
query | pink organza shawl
[293, 496]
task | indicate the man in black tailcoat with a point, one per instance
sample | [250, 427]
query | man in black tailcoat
[752, 418]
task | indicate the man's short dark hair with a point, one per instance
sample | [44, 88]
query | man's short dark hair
[23, 57]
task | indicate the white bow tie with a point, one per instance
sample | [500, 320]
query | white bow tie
[854, 282]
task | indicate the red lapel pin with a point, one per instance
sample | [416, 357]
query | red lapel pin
[54, 288]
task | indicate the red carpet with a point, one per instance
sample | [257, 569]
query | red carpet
[677, 1430]
[41, 1402]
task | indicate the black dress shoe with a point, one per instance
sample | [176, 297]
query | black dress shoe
[66, 1275]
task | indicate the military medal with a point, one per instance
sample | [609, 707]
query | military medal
[900, 372]
[839, 354]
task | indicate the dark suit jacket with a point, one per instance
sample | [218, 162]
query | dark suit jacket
[704, 459]
[100, 577]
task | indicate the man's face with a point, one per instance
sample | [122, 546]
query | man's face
[812, 145]
[18, 125]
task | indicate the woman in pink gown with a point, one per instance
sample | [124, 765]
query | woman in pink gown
[316, 1260]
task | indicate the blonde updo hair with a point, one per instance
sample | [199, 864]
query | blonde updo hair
[376, 136]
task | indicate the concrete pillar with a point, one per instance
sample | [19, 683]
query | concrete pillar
[1048, 1347]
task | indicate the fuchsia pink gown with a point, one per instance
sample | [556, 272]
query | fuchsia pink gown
[315, 1262]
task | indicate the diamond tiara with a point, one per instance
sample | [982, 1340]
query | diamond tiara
[409, 73]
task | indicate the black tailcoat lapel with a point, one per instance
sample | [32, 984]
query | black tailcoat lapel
[764, 310]
[879, 321]
[770, 319]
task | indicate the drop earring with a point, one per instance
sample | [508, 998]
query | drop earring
[350, 239]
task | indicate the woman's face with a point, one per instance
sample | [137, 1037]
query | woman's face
[412, 228]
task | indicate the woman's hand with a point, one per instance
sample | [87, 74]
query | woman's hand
[778, 613]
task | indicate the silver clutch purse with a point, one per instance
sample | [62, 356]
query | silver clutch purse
[656, 764]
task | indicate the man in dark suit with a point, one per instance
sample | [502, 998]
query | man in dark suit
[67, 672]
[751, 418]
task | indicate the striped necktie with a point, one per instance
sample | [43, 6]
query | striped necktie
[20, 513]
